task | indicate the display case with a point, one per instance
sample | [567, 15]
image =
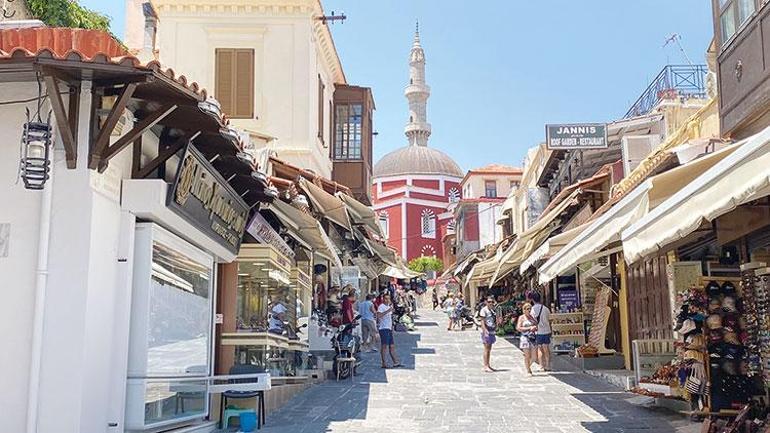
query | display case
[567, 331]
[170, 335]
[273, 298]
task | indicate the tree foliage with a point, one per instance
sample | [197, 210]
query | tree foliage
[67, 13]
[423, 264]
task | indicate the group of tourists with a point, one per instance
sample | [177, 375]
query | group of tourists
[454, 307]
[377, 322]
[534, 325]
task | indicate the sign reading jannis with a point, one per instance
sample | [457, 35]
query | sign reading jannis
[205, 199]
[576, 136]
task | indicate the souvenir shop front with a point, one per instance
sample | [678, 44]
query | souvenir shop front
[714, 235]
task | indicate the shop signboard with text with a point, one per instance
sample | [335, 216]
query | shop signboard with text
[264, 233]
[580, 136]
[206, 200]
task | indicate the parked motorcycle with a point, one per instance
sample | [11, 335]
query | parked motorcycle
[346, 345]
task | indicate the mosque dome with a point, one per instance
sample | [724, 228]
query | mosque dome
[416, 160]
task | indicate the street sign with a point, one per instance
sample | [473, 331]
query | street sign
[576, 136]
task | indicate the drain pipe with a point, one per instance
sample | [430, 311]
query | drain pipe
[41, 283]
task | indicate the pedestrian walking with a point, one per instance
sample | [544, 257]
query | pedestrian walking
[542, 316]
[348, 299]
[385, 328]
[368, 324]
[435, 298]
[488, 328]
[449, 309]
[526, 326]
[459, 307]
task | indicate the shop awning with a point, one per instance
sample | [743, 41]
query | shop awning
[530, 239]
[607, 228]
[550, 247]
[385, 254]
[739, 178]
[305, 229]
[331, 207]
[361, 214]
[394, 272]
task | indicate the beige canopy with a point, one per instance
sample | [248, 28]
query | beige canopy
[305, 229]
[741, 177]
[608, 227]
[331, 207]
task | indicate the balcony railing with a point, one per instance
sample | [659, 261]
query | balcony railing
[674, 81]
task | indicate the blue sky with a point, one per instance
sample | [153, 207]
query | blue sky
[500, 70]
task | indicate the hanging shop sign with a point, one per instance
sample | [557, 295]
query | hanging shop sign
[576, 136]
[205, 199]
[264, 233]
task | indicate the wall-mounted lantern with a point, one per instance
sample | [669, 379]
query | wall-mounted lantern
[36, 153]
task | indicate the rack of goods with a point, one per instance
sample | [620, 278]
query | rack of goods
[567, 331]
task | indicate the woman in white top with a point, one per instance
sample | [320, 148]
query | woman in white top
[526, 325]
[449, 308]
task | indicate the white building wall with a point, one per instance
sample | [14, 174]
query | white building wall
[288, 60]
[85, 322]
[489, 231]
[21, 212]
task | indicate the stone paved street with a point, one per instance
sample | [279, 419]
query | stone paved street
[442, 389]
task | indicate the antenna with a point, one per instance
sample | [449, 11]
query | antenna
[675, 38]
[332, 18]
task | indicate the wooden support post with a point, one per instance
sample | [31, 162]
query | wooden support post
[136, 160]
[165, 154]
[129, 137]
[62, 120]
[103, 139]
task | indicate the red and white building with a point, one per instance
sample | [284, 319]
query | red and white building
[412, 187]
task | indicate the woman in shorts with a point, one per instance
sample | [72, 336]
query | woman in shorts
[527, 327]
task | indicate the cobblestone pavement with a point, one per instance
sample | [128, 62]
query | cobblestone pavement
[442, 389]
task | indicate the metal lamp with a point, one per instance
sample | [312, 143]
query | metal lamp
[36, 152]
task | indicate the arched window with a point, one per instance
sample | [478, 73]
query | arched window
[428, 251]
[454, 195]
[384, 224]
[428, 220]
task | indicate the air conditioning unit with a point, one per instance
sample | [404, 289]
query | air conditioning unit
[635, 148]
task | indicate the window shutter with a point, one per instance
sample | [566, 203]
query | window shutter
[223, 88]
[244, 84]
[234, 81]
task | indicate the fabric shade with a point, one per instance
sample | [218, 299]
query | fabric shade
[361, 214]
[531, 238]
[608, 227]
[385, 254]
[550, 247]
[739, 178]
[305, 229]
[331, 207]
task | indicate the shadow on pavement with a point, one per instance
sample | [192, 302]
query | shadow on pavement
[617, 410]
[316, 408]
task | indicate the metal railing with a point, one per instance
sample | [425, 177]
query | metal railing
[674, 81]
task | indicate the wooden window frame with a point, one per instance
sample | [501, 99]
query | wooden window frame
[486, 188]
[347, 142]
[721, 9]
[234, 82]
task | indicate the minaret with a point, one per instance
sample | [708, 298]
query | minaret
[417, 92]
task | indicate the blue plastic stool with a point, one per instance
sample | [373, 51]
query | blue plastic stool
[235, 412]
[248, 421]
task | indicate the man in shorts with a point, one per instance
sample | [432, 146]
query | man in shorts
[542, 316]
[385, 327]
[368, 323]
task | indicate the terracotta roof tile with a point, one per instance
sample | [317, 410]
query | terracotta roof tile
[80, 45]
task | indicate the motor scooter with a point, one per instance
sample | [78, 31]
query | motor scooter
[346, 345]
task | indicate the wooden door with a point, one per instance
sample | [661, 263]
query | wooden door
[649, 307]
